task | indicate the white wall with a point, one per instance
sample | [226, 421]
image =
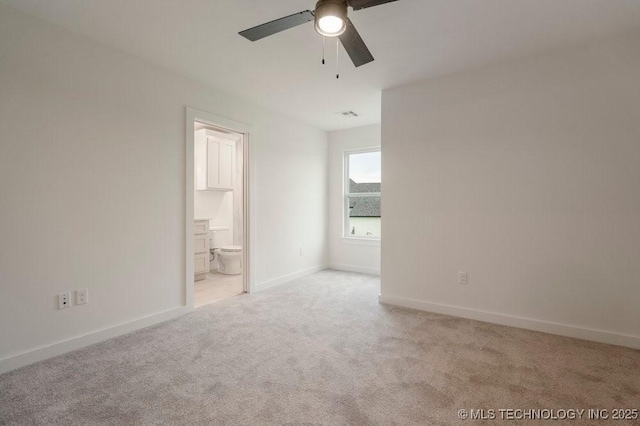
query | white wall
[345, 254]
[216, 205]
[526, 176]
[92, 183]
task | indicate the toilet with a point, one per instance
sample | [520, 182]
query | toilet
[227, 258]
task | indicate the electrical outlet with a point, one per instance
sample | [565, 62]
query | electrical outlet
[64, 300]
[82, 296]
[462, 278]
[300, 251]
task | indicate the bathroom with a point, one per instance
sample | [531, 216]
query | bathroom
[218, 214]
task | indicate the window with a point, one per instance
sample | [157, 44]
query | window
[362, 196]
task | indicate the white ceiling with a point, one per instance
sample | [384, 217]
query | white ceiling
[410, 39]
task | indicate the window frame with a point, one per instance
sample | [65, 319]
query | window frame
[347, 237]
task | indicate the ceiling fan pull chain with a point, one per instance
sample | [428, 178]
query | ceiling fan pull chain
[337, 59]
[322, 50]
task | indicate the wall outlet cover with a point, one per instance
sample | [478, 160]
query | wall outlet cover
[82, 296]
[64, 300]
[462, 278]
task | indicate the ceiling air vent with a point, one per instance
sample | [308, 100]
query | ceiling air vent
[348, 114]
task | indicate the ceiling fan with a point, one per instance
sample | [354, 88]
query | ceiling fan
[331, 20]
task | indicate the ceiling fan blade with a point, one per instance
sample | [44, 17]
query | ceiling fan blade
[273, 27]
[354, 45]
[363, 4]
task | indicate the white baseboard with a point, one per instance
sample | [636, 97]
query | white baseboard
[79, 342]
[59, 348]
[354, 268]
[519, 322]
[286, 278]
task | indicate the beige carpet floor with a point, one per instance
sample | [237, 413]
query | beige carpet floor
[319, 350]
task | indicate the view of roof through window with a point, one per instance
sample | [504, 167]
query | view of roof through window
[364, 200]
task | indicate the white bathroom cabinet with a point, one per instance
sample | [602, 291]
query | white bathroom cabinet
[215, 160]
[201, 249]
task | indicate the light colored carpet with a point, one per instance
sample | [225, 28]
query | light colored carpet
[319, 350]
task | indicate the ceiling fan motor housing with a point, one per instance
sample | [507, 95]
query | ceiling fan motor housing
[331, 8]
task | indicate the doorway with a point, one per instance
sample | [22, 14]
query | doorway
[218, 265]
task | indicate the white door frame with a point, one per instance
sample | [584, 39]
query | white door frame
[193, 115]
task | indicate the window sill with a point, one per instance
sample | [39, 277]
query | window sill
[372, 242]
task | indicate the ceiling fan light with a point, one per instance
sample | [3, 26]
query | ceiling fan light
[331, 17]
[331, 25]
